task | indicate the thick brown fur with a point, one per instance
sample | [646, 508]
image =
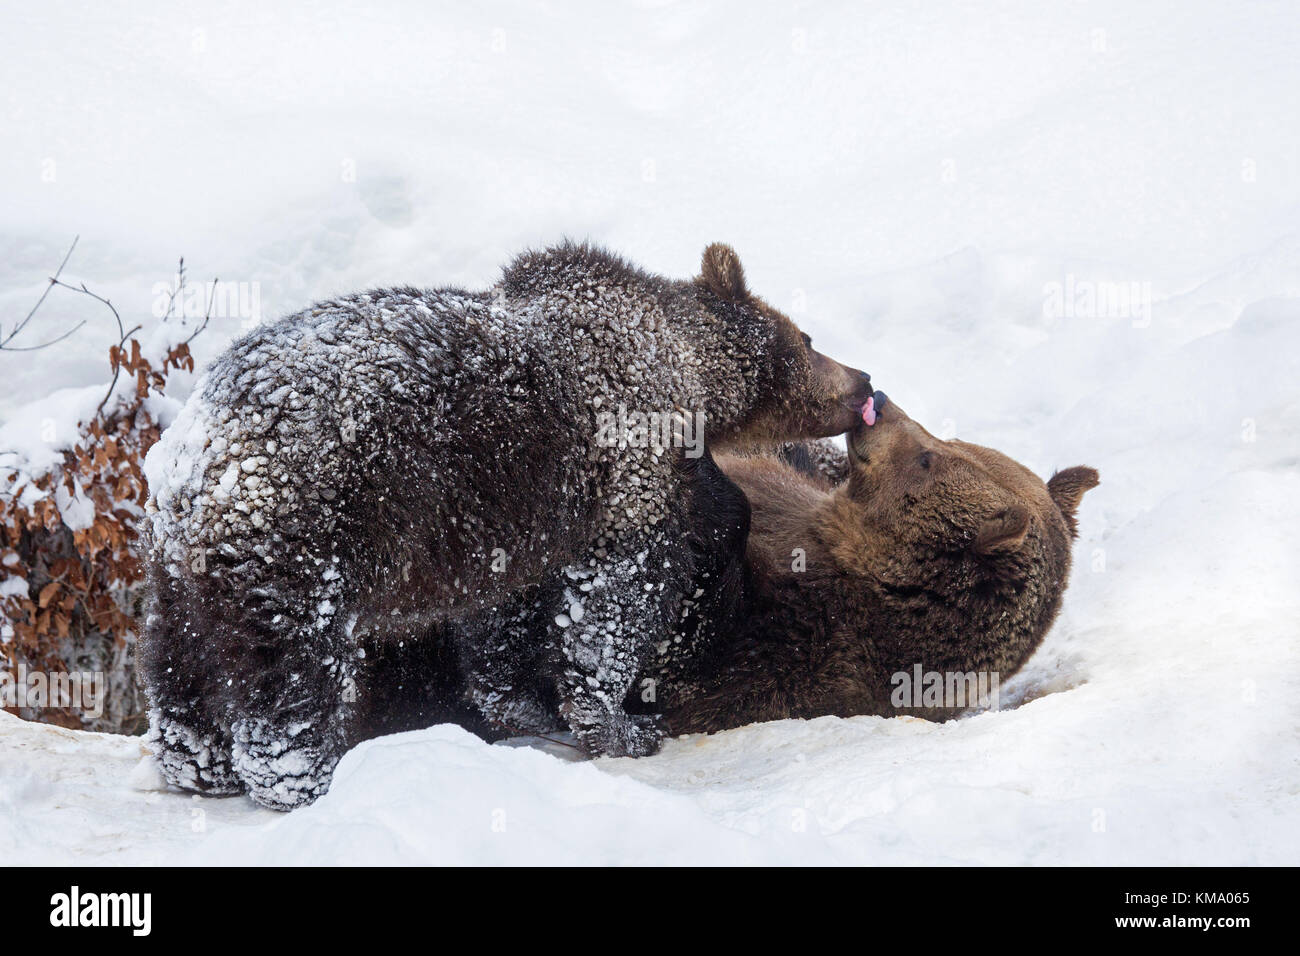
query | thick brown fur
[946, 555]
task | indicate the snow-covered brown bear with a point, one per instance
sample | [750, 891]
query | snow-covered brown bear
[381, 466]
[910, 557]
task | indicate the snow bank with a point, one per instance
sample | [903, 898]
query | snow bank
[448, 797]
[35, 437]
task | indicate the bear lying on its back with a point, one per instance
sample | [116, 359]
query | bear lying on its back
[384, 465]
[931, 557]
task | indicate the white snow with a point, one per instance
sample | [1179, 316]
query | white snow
[1065, 231]
[35, 436]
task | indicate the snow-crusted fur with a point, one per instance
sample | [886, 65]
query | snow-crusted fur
[406, 465]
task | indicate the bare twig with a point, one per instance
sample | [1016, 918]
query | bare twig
[54, 280]
[99, 298]
[212, 298]
[33, 348]
[178, 292]
[123, 335]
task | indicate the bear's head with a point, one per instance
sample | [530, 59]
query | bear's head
[795, 391]
[965, 551]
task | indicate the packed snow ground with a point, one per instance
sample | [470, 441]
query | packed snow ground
[933, 194]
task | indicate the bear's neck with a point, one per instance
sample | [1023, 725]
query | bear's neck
[729, 363]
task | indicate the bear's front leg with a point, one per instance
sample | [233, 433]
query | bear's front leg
[614, 611]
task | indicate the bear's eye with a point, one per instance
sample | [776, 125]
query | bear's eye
[926, 460]
[807, 339]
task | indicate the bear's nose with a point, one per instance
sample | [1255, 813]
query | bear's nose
[881, 401]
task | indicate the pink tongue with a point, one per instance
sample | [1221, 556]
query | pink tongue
[869, 412]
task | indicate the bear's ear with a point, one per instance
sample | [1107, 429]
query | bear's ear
[1004, 532]
[1067, 489]
[720, 269]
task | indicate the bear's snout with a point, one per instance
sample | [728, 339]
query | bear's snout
[855, 390]
[860, 387]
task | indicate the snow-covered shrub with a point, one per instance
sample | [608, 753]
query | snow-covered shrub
[70, 572]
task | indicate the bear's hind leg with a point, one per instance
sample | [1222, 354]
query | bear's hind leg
[188, 741]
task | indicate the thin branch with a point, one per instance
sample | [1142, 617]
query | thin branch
[123, 335]
[33, 348]
[117, 366]
[212, 298]
[99, 298]
[54, 280]
[178, 292]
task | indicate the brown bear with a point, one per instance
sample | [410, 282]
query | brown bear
[932, 570]
[379, 468]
